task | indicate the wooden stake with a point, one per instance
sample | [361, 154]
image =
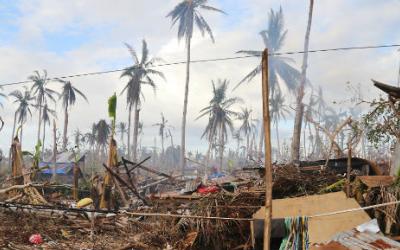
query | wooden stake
[268, 160]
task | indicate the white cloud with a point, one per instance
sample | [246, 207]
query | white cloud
[110, 23]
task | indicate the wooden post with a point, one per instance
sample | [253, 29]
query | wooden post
[348, 169]
[267, 160]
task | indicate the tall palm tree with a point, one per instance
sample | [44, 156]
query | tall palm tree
[162, 126]
[247, 125]
[280, 70]
[24, 101]
[298, 119]
[220, 116]
[279, 111]
[46, 113]
[68, 96]
[41, 92]
[138, 74]
[187, 14]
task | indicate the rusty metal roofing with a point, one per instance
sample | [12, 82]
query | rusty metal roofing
[369, 241]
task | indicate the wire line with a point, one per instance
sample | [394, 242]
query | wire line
[216, 60]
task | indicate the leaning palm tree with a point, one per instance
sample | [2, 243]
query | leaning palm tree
[24, 101]
[279, 111]
[298, 118]
[220, 116]
[248, 126]
[46, 113]
[187, 14]
[139, 74]
[280, 71]
[68, 96]
[42, 93]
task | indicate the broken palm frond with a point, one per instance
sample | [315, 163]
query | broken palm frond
[112, 110]
[26, 191]
[288, 182]
[333, 187]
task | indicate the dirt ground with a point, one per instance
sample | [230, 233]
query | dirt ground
[16, 228]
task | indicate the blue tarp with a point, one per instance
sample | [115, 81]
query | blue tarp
[61, 168]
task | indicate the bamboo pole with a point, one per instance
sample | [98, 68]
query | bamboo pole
[267, 160]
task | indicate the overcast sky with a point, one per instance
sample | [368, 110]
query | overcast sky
[76, 36]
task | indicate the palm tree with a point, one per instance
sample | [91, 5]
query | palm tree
[122, 130]
[237, 136]
[103, 130]
[68, 96]
[46, 112]
[161, 131]
[279, 111]
[220, 116]
[140, 73]
[41, 92]
[78, 137]
[278, 67]
[187, 14]
[24, 101]
[298, 119]
[247, 126]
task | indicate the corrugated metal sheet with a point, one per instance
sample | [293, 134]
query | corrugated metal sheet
[355, 240]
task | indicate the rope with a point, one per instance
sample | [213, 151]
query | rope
[355, 209]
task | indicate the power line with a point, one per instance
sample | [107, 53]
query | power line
[216, 60]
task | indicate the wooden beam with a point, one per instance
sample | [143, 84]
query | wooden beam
[267, 160]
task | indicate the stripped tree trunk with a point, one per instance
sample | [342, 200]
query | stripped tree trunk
[300, 94]
[135, 132]
[12, 137]
[129, 130]
[54, 151]
[44, 137]
[185, 104]
[65, 128]
[40, 122]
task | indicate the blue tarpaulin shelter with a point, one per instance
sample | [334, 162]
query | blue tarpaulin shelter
[64, 164]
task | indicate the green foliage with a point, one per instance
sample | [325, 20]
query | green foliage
[382, 124]
[112, 106]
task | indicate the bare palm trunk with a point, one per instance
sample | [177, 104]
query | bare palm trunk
[277, 140]
[135, 132]
[162, 146]
[300, 94]
[129, 130]
[20, 135]
[54, 151]
[185, 103]
[12, 137]
[40, 121]
[44, 137]
[65, 128]
[221, 149]
[261, 143]
[247, 146]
